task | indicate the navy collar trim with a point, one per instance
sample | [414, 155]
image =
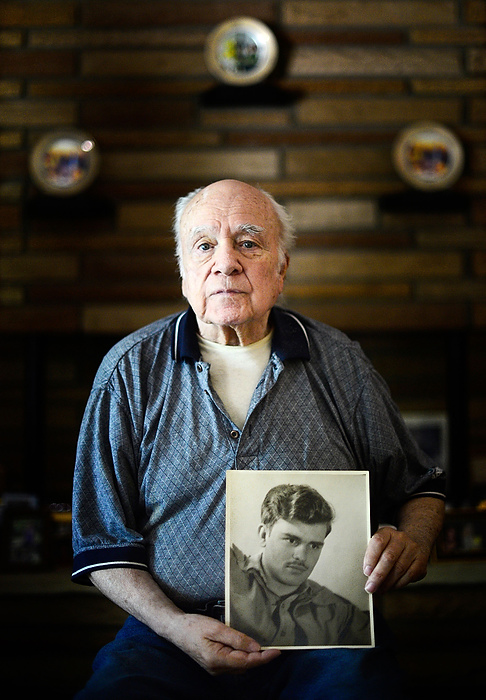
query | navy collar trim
[290, 339]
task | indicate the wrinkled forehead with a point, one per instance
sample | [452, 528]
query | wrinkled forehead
[234, 204]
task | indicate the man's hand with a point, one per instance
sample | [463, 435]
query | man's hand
[218, 648]
[395, 558]
[213, 645]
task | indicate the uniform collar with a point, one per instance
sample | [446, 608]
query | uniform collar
[290, 340]
[305, 593]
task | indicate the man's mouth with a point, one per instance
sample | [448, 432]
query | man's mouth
[298, 568]
[226, 291]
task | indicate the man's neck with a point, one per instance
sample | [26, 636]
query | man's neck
[244, 334]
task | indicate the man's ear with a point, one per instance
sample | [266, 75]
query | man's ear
[284, 266]
[263, 534]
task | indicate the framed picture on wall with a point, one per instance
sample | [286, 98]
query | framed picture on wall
[431, 431]
[295, 543]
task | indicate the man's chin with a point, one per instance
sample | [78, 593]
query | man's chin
[228, 312]
[295, 581]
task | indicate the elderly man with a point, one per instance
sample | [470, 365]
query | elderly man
[233, 383]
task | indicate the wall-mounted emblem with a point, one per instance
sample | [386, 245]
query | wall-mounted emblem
[428, 156]
[241, 51]
[64, 163]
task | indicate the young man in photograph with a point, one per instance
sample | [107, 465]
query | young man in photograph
[272, 598]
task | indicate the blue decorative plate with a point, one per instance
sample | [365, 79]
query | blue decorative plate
[63, 163]
[428, 156]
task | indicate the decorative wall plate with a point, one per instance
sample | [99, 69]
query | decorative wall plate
[241, 51]
[428, 156]
[63, 163]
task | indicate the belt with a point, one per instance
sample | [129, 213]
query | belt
[211, 608]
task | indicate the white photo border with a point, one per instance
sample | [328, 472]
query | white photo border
[346, 491]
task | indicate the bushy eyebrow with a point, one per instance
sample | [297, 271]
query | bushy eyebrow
[251, 229]
[296, 537]
[198, 230]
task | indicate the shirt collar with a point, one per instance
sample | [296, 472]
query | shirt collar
[305, 592]
[290, 340]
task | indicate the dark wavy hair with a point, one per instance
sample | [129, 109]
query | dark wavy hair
[296, 502]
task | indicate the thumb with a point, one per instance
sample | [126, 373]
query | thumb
[235, 639]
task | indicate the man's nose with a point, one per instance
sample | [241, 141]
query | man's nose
[300, 553]
[226, 259]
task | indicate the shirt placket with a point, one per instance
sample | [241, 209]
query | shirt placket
[243, 446]
[284, 623]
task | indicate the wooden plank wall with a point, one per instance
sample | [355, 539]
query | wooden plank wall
[132, 74]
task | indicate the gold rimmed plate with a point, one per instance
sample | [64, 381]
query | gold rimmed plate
[64, 163]
[428, 156]
[241, 51]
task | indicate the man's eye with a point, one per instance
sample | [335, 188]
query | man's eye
[204, 247]
[248, 245]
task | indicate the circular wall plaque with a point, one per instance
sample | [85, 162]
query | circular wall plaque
[241, 51]
[428, 156]
[63, 163]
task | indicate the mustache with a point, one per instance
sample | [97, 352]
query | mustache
[297, 565]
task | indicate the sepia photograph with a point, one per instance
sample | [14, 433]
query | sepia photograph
[295, 543]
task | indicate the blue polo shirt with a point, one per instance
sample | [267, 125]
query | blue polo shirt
[156, 442]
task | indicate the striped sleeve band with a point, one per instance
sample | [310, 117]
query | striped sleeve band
[124, 557]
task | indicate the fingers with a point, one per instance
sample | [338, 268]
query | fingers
[235, 652]
[392, 560]
[221, 649]
[227, 660]
[232, 639]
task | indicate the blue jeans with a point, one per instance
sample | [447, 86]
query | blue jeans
[140, 665]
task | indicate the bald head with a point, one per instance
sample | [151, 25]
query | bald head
[231, 190]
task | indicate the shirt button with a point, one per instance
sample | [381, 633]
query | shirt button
[234, 434]
[199, 368]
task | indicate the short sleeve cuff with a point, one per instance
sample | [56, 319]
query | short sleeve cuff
[428, 494]
[434, 487]
[124, 557]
